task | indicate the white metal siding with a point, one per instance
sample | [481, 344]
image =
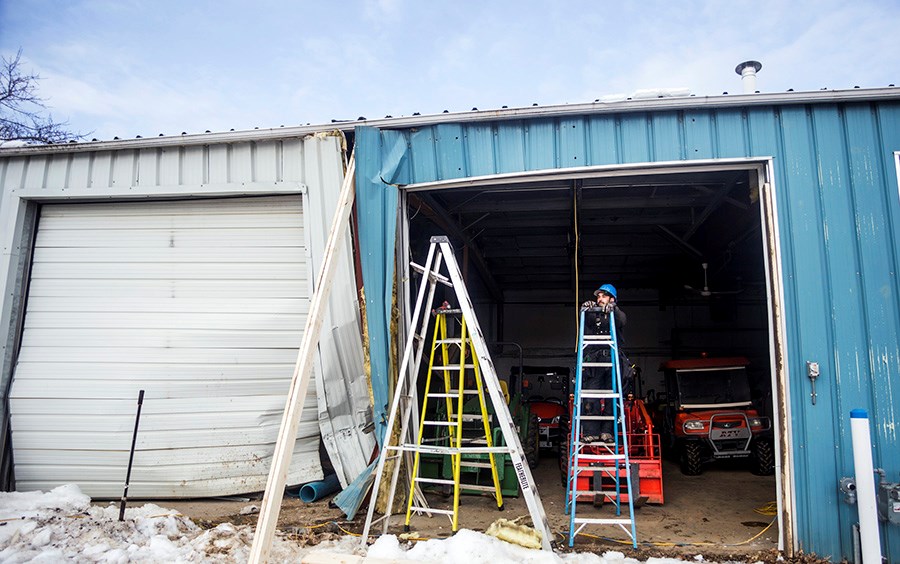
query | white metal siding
[202, 304]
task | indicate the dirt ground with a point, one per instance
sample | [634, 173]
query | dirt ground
[714, 514]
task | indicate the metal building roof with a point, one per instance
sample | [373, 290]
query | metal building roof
[527, 112]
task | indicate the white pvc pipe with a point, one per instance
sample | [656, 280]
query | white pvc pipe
[865, 487]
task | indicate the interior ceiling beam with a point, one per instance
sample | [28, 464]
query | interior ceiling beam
[712, 206]
[537, 252]
[434, 211]
[541, 268]
[729, 199]
[564, 222]
[557, 203]
[682, 244]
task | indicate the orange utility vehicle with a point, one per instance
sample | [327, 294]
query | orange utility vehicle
[708, 415]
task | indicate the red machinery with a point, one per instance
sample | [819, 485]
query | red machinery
[644, 455]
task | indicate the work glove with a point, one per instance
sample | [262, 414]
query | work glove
[588, 305]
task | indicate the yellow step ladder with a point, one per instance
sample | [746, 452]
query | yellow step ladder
[459, 368]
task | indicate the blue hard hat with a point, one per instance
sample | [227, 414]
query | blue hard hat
[607, 289]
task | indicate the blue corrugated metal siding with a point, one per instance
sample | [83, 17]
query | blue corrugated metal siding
[839, 221]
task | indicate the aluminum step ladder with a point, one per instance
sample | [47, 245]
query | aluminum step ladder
[404, 404]
[598, 459]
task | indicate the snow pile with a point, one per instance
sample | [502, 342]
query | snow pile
[63, 526]
[476, 548]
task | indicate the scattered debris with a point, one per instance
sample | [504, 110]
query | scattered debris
[512, 532]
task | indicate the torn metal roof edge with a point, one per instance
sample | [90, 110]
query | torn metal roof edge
[550, 111]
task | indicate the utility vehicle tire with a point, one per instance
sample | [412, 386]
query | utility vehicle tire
[762, 458]
[532, 440]
[691, 464]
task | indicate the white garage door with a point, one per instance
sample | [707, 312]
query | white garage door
[199, 303]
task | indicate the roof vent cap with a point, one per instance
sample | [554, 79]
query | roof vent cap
[747, 70]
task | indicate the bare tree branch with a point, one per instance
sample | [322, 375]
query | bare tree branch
[22, 111]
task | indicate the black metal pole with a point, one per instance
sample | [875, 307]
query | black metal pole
[137, 420]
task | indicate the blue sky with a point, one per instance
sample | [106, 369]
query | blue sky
[130, 67]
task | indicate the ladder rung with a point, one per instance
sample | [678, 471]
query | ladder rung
[583, 456]
[451, 341]
[475, 464]
[474, 441]
[596, 364]
[604, 469]
[450, 450]
[597, 443]
[451, 367]
[587, 492]
[453, 394]
[598, 394]
[589, 521]
[435, 481]
[431, 510]
[606, 338]
[597, 418]
[477, 487]
[465, 417]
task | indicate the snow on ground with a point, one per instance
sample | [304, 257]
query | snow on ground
[62, 526]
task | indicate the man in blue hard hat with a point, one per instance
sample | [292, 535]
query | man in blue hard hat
[598, 377]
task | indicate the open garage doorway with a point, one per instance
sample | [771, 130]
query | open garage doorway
[692, 251]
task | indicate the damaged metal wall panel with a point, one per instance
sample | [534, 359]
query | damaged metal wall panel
[839, 223]
[196, 456]
[343, 398]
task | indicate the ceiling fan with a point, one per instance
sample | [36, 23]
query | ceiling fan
[706, 292]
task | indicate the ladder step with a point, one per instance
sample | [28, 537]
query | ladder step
[597, 418]
[451, 367]
[465, 417]
[588, 521]
[451, 341]
[596, 364]
[592, 469]
[431, 510]
[588, 492]
[425, 449]
[473, 441]
[453, 394]
[475, 464]
[603, 338]
[435, 481]
[477, 487]
[599, 457]
[599, 394]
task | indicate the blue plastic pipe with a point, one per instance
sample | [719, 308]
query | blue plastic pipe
[314, 491]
